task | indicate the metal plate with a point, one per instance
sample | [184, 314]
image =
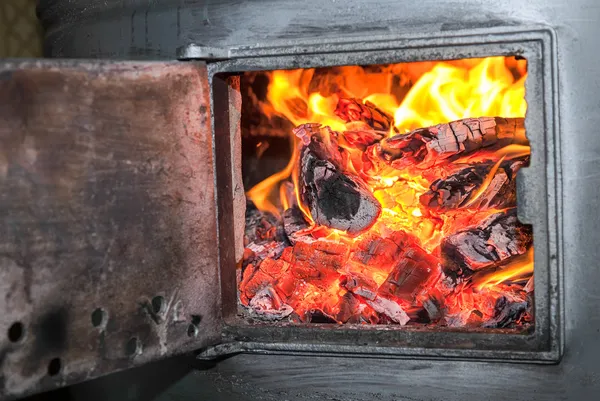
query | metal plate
[108, 219]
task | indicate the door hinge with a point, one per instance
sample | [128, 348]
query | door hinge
[194, 51]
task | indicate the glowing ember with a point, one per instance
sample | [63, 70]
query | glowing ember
[398, 203]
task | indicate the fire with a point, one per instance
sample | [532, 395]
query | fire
[444, 92]
[521, 266]
[413, 96]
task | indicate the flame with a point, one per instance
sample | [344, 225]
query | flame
[262, 192]
[449, 92]
[486, 182]
[521, 266]
[442, 92]
[413, 95]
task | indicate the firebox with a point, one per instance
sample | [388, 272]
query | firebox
[389, 195]
[392, 198]
[389, 202]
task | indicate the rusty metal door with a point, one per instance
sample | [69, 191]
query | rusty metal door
[108, 255]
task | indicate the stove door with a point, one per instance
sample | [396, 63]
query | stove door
[106, 200]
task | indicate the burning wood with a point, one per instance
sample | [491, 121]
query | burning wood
[293, 221]
[361, 139]
[497, 239]
[427, 147]
[481, 186]
[376, 227]
[267, 304]
[335, 198]
[353, 110]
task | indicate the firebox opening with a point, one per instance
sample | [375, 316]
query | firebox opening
[386, 195]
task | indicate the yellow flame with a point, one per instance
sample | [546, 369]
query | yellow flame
[449, 92]
[417, 212]
[285, 202]
[486, 182]
[521, 266]
[261, 193]
[433, 93]
[513, 151]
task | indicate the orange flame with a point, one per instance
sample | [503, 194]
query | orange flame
[415, 95]
[520, 266]
[486, 182]
[449, 92]
[442, 92]
[261, 194]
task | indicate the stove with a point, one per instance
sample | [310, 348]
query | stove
[374, 200]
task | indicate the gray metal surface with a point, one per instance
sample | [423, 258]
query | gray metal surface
[155, 29]
[107, 219]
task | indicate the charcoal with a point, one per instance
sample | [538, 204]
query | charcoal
[267, 305]
[507, 312]
[495, 241]
[262, 227]
[411, 272]
[461, 189]
[389, 308]
[360, 285]
[335, 198]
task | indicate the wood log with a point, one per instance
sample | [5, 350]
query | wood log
[335, 198]
[474, 187]
[427, 147]
[495, 241]
[351, 110]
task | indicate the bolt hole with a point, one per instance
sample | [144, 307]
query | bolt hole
[54, 367]
[196, 319]
[98, 317]
[16, 332]
[133, 347]
[192, 330]
[158, 304]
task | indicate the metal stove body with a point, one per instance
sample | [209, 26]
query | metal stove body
[557, 194]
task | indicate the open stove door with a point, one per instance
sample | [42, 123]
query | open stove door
[108, 233]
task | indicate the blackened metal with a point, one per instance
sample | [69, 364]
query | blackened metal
[106, 203]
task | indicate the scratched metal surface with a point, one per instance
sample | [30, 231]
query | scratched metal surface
[106, 201]
[155, 29]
